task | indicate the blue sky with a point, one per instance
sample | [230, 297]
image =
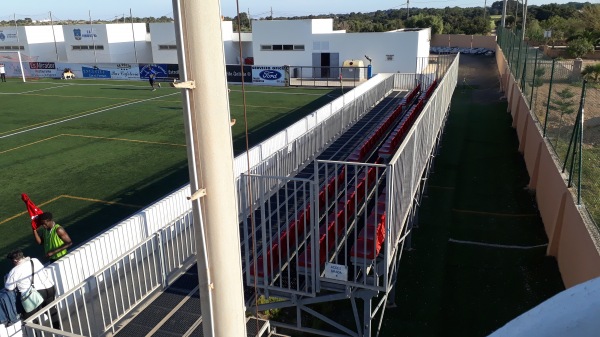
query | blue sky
[109, 9]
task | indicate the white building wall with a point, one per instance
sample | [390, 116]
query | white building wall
[424, 42]
[90, 35]
[322, 26]
[41, 42]
[121, 39]
[269, 32]
[164, 34]
[14, 37]
[402, 46]
[230, 47]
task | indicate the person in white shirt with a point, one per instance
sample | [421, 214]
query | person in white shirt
[2, 72]
[19, 278]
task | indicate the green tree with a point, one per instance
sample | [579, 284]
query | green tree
[592, 72]
[557, 27]
[424, 21]
[538, 81]
[534, 31]
[244, 22]
[563, 102]
[579, 47]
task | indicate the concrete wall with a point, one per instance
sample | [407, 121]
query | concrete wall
[463, 41]
[573, 239]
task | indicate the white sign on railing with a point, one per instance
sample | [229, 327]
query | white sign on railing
[336, 271]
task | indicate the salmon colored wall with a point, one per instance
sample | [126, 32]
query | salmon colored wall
[463, 41]
[573, 239]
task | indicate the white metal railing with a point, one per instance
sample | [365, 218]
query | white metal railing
[411, 159]
[94, 306]
[302, 143]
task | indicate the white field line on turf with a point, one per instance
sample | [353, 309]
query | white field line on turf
[278, 93]
[30, 91]
[495, 245]
[86, 115]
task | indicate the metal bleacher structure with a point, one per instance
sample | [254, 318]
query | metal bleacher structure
[325, 212]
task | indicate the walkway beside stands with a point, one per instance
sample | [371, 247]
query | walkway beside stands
[479, 252]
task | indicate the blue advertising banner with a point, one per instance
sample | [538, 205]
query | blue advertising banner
[269, 75]
[94, 72]
[160, 70]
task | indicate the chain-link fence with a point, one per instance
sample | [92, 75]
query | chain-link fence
[554, 91]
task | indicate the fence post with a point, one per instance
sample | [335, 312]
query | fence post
[549, 95]
[161, 260]
[511, 50]
[576, 140]
[524, 73]
[533, 83]
[518, 60]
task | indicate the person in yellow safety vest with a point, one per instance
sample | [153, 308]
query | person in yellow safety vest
[55, 237]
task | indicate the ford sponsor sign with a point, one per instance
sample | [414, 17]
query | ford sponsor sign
[269, 75]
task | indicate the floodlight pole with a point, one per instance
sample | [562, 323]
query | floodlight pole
[524, 18]
[133, 35]
[504, 14]
[54, 36]
[93, 39]
[210, 157]
[16, 28]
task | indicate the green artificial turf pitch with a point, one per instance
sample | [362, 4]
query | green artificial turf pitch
[94, 152]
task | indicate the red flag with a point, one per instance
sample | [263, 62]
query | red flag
[33, 210]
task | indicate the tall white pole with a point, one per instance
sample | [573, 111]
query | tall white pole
[504, 14]
[484, 9]
[524, 25]
[16, 29]
[210, 158]
[54, 36]
[93, 39]
[132, 34]
[407, 9]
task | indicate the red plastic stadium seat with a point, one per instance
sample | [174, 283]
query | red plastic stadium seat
[370, 239]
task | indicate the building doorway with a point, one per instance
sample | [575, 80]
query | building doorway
[326, 65]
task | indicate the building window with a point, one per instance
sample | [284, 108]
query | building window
[282, 47]
[84, 47]
[320, 45]
[167, 47]
[12, 48]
